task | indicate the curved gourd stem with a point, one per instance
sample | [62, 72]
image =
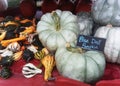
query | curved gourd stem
[40, 55]
[56, 19]
[74, 49]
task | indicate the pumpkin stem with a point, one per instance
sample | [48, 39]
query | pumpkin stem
[109, 25]
[74, 49]
[56, 19]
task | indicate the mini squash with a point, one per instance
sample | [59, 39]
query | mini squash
[87, 66]
[5, 73]
[6, 61]
[57, 28]
[27, 55]
[48, 62]
[3, 34]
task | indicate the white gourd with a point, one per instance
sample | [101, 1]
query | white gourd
[29, 70]
[6, 53]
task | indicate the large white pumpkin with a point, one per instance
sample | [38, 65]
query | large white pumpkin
[112, 45]
[57, 28]
[82, 66]
[106, 11]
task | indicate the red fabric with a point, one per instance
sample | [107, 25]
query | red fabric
[19, 80]
[82, 6]
[112, 71]
[111, 77]
[28, 8]
[115, 82]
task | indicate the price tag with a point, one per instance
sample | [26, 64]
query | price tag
[91, 43]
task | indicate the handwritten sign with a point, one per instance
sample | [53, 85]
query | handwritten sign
[91, 43]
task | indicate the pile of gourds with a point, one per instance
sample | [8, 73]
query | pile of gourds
[107, 15]
[19, 40]
[16, 42]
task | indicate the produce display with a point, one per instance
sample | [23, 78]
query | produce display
[18, 41]
[50, 39]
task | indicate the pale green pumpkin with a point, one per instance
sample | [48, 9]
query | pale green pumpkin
[85, 66]
[57, 28]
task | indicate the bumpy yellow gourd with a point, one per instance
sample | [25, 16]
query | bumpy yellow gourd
[48, 62]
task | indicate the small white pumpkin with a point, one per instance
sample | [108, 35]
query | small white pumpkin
[57, 28]
[83, 66]
[112, 45]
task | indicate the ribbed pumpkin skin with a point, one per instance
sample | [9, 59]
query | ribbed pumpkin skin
[106, 11]
[52, 38]
[112, 45]
[87, 67]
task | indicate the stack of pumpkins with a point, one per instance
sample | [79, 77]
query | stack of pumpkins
[57, 28]
[106, 13]
[58, 32]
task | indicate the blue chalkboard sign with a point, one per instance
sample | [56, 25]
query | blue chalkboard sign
[91, 43]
